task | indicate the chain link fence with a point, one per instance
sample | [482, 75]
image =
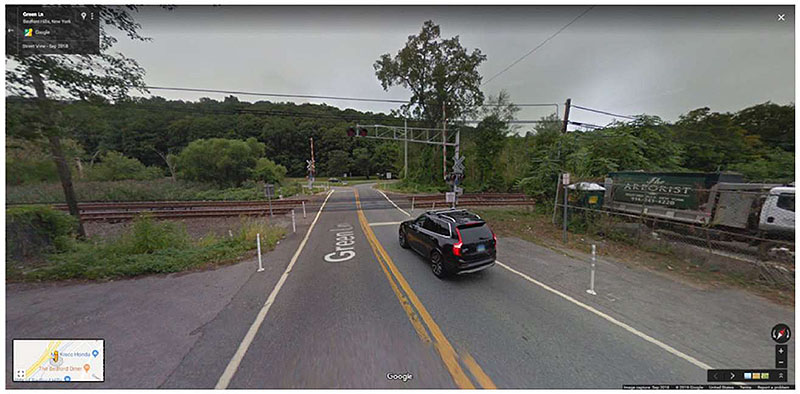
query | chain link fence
[743, 228]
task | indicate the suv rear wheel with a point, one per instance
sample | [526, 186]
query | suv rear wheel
[438, 265]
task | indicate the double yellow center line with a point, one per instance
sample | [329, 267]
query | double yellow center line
[410, 302]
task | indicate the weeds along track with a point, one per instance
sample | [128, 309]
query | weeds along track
[467, 199]
[123, 211]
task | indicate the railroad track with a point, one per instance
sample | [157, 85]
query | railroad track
[123, 211]
[472, 203]
[149, 205]
[117, 216]
[470, 199]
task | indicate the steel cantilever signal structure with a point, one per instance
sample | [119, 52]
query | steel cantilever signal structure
[420, 135]
[410, 134]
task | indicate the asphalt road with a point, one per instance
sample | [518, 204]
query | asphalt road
[381, 311]
[372, 315]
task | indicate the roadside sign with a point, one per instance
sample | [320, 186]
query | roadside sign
[565, 178]
[269, 190]
[388, 175]
[450, 197]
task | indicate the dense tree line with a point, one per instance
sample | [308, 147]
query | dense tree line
[700, 140]
[757, 141]
[152, 130]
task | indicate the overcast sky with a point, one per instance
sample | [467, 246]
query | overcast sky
[661, 61]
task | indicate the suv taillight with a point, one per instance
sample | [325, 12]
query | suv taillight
[457, 245]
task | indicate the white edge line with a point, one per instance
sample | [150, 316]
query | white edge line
[233, 365]
[630, 329]
[390, 200]
[384, 223]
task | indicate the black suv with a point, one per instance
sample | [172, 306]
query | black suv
[454, 240]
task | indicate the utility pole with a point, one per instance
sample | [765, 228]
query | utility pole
[566, 115]
[444, 140]
[313, 165]
[405, 149]
[563, 131]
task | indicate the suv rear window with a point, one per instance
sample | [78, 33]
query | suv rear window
[436, 227]
[473, 234]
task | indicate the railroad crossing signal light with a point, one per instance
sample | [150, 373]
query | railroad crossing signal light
[351, 132]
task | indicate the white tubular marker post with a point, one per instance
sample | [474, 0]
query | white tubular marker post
[304, 209]
[591, 278]
[412, 203]
[294, 227]
[258, 244]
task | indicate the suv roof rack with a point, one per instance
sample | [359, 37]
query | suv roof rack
[458, 216]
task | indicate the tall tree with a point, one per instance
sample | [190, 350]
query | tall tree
[491, 134]
[502, 108]
[713, 141]
[106, 76]
[440, 74]
[362, 161]
[773, 123]
[338, 162]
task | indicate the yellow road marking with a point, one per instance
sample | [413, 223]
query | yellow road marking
[50, 348]
[412, 316]
[476, 371]
[442, 345]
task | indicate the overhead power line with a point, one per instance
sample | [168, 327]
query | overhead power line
[317, 97]
[582, 124]
[538, 46]
[603, 112]
[305, 96]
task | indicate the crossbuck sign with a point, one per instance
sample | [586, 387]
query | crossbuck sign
[458, 164]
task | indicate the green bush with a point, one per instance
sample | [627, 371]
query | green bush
[21, 171]
[221, 161]
[116, 167]
[147, 236]
[267, 171]
[132, 190]
[150, 247]
[34, 230]
[776, 166]
[30, 161]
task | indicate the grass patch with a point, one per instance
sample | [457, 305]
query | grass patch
[149, 247]
[404, 186]
[535, 225]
